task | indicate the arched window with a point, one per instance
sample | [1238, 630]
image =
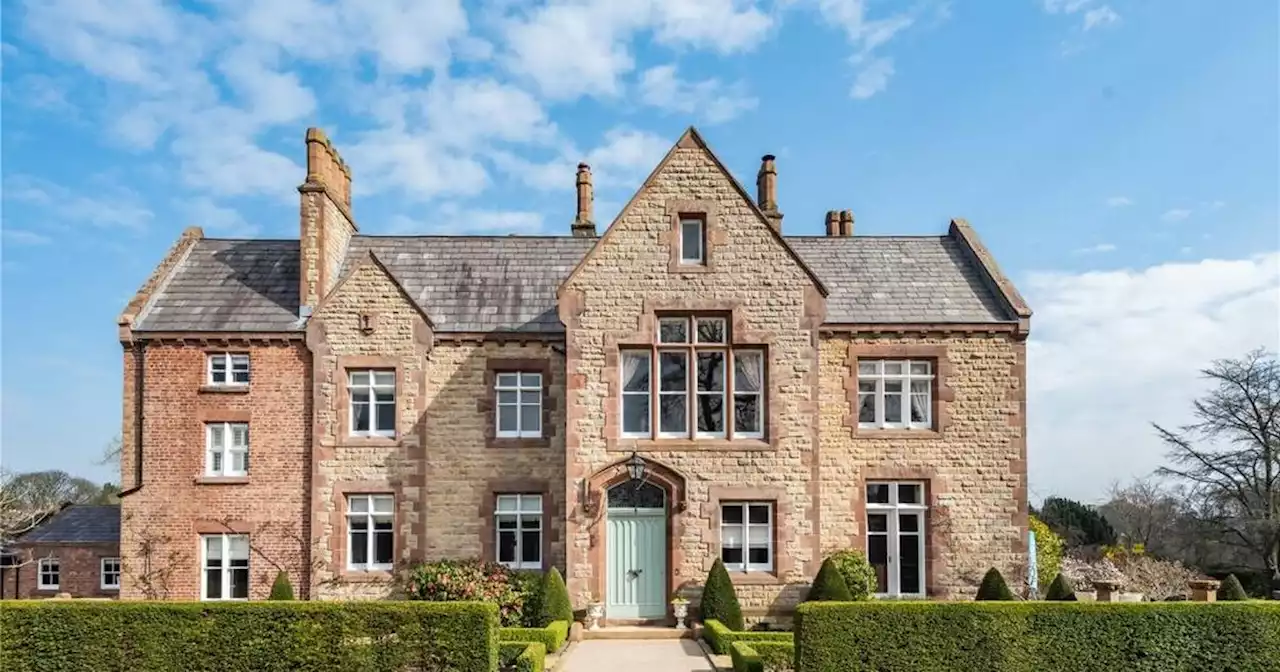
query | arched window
[637, 495]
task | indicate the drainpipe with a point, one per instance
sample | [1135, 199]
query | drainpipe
[139, 387]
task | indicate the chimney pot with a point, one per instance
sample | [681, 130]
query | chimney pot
[833, 223]
[584, 224]
[846, 222]
[767, 191]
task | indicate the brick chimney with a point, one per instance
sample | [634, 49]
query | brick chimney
[767, 191]
[584, 223]
[839, 223]
[846, 223]
[327, 224]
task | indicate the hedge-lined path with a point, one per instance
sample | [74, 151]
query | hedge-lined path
[637, 655]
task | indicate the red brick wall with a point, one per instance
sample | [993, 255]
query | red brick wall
[79, 572]
[176, 504]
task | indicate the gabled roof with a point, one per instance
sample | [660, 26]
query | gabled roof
[77, 524]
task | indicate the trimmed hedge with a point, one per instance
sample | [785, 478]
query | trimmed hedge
[552, 637]
[554, 604]
[523, 656]
[1031, 636]
[829, 585]
[1231, 590]
[49, 636]
[281, 589]
[994, 588]
[1061, 590]
[721, 638]
[719, 599]
[762, 656]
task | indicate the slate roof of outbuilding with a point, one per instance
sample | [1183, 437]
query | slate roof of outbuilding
[509, 283]
[77, 524]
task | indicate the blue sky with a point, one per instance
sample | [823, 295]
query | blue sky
[1119, 157]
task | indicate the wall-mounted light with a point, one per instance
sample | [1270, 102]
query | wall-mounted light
[635, 467]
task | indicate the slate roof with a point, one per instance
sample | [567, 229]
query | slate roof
[228, 285]
[508, 283]
[78, 524]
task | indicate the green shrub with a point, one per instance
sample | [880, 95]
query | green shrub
[1231, 590]
[528, 584]
[762, 656]
[522, 656]
[994, 588]
[859, 575]
[1060, 590]
[554, 599]
[829, 585]
[719, 600]
[464, 581]
[281, 589]
[48, 636]
[552, 637]
[1049, 547]
[720, 638]
[1032, 636]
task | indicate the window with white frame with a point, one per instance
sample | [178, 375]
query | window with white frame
[896, 538]
[746, 536]
[519, 530]
[895, 393]
[370, 533]
[693, 240]
[519, 412]
[224, 562]
[373, 402]
[228, 369]
[696, 371]
[110, 574]
[227, 449]
[48, 574]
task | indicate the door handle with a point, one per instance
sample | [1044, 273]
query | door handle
[635, 573]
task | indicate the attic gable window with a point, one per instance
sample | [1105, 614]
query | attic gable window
[228, 369]
[693, 237]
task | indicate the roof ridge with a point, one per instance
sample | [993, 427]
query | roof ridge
[251, 240]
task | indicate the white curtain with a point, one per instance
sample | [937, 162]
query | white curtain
[749, 376]
[633, 366]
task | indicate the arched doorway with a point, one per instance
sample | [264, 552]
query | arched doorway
[636, 551]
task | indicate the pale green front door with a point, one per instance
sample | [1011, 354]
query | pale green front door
[637, 563]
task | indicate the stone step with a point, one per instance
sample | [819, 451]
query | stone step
[638, 632]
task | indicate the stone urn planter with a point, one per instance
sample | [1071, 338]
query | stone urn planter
[680, 609]
[595, 612]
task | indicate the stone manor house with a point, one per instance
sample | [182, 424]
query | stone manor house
[339, 405]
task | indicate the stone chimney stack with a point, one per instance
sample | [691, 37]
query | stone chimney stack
[833, 223]
[846, 223]
[584, 223]
[327, 224]
[767, 191]
[839, 223]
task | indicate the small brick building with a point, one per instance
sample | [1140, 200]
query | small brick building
[341, 404]
[75, 551]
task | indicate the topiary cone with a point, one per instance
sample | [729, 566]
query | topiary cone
[829, 585]
[719, 600]
[994, 588]
[1231, 590]
[281, 589]
[1060, 590]
[555, 599]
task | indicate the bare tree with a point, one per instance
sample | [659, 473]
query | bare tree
[1230, 456]
[18, 513]
[1146, 512]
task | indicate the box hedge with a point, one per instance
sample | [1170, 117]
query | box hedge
[1028, 636]
[40, 636]
[721, 638]
[523, 656]
[762, 656]
[552, 637]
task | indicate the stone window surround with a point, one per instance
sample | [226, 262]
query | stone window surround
[342, 397]
[208, 415]
[936, 540]
[646, 336]
[942, 394]
[516, 486]
[713, 234]
[338, 525]
[487, 403]
[783, 532]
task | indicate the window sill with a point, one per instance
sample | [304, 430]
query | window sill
[221, 480]
[755, 579]
[366, 576]
[896, 433]
[356, 441]
[224, 389]
[629, 444]
[513, 442]
[48, 590]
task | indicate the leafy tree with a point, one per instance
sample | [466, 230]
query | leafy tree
[719, 600]
[1076, 523]
[829, 585]
[859, 575]
[1060, 590]
[1049, 548]
[1230, 455]
[27, 499]
[994, 588]
[554, 599]
[1231, 590]
[281, 589]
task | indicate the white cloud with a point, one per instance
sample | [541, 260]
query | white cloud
[712, 100]
[872, 78]
[1119, 202]
[100, 206]
[22, 237]
[871, 72]
[216, 220]
[1095, 379]
[1094, 15]
[1175, 215]
[622, 159]
[451, 218]
[1100, 16]
[1100, 248]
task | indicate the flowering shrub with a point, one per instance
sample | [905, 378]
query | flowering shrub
[465, 581]
[1136, 571]
[1049, 547]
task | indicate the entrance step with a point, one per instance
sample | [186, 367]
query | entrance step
[639, 632]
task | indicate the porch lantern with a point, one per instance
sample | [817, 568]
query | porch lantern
[635, 467]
